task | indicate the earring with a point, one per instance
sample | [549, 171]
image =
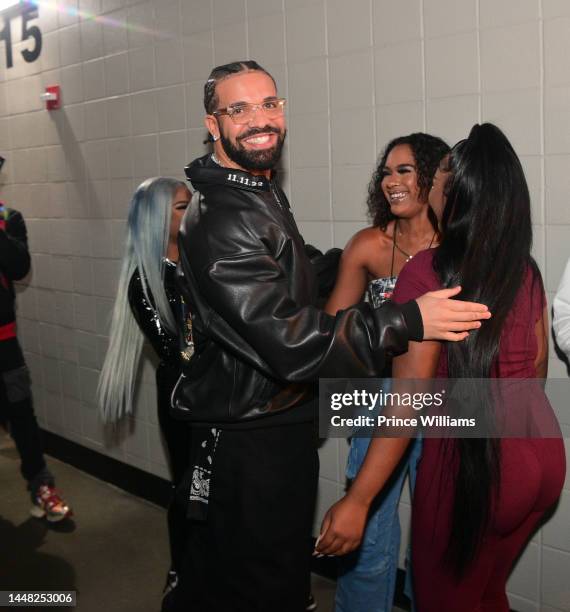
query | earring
[215, 138]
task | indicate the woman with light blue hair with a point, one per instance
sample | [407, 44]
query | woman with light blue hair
[148, 305]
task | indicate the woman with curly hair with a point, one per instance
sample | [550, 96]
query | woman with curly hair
[403, 225]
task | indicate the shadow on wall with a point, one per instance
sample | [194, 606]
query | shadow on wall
[86, 202]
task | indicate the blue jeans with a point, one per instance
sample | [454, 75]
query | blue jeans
[367, 577]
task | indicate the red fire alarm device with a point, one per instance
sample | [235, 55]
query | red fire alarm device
[52, 97]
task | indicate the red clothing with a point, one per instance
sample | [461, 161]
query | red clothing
[532, 472]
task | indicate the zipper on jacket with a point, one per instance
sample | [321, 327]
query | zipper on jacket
[276, 196]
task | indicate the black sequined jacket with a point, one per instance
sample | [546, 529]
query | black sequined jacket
[165, 344]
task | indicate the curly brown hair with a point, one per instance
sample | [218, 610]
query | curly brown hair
[428, 151]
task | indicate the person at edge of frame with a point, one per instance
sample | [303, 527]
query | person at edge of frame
[259, 339]
[16, 406]
[561, 312]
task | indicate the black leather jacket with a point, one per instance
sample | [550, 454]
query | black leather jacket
[252, 290]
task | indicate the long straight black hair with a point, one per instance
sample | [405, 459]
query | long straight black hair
[486, 244]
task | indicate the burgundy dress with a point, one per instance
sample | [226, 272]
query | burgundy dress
[532, 472]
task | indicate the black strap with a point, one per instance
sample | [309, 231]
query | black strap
[393, 248]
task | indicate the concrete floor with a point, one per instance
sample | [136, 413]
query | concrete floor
[114, 552]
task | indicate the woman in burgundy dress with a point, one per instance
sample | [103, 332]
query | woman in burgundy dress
[477, 500]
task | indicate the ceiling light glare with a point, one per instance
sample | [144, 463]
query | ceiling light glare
[6, 4]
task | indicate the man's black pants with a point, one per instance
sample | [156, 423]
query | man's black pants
[253, 552]
[17, 412]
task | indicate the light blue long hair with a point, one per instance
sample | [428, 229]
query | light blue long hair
[148, 229]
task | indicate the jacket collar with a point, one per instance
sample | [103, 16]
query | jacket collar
[205, 170]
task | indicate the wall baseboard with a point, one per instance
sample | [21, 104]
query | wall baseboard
[127, 477]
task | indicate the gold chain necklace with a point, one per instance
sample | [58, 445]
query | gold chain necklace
[407, 255]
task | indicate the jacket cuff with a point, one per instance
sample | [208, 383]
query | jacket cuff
[413, 318]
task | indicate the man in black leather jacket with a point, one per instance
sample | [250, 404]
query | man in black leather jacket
[259, 339]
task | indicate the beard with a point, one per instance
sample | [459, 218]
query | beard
[265, 159]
